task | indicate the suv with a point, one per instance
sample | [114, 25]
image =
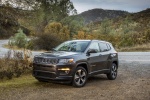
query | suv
[74, 61]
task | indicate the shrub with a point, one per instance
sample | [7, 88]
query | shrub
[58, 29]
[46, 41]
[19, 40]
[14, 64]
[54, 33]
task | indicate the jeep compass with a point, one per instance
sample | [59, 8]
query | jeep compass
[74, 61]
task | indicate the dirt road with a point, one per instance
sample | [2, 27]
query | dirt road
[133, 83]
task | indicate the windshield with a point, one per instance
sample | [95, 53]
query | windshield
[73, 46]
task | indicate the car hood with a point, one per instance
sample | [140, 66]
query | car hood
[59, 54]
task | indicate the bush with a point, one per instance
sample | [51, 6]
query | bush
[46, 42]
[19, 40]
[14, 64]
[54, 33]
[58, 29]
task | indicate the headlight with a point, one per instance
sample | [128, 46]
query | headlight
[66, 61]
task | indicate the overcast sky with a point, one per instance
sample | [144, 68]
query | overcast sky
[126, 5]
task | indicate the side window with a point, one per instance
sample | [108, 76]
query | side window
[103, 47]
[109, 48]
[94, 45]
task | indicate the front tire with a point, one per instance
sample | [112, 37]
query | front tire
[80, 77]
[113, 72]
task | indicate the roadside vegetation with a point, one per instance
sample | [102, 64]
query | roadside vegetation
[14, 64]
[50, 25]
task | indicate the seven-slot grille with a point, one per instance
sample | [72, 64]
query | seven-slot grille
[45, 60]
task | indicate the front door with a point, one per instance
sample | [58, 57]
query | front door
[94, 59]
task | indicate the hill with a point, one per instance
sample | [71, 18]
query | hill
[95, 15]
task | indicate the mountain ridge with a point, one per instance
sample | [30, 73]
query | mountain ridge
[99, 14]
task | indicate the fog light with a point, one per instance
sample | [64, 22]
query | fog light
[64, 69]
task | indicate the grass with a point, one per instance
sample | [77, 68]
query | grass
[25, 80]
[140, 48]
[17, 48]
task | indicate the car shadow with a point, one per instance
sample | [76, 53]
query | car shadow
[53, 84]
[92, 79]
[97, 78]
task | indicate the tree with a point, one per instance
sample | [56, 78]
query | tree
[55, 10]
[45, 11]
[58, 29]
[105, 26]
[19, 40]
[74, 24]
[80, 35]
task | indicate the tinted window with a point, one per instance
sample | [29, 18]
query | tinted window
[108, 46]
[95, 46]
[103, 47]
[73, 46]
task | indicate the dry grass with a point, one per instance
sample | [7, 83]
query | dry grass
[25, 80]
[142, 48]
[12, 47]
[17, 48]
[14, 64]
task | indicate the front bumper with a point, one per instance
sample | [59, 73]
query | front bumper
[51, 72]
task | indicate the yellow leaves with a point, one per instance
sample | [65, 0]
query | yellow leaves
[58, 29]
[64, 33]
[54, 27]
[80, 35]
[83, 35]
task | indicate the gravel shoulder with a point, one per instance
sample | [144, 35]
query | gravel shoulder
[132, 83]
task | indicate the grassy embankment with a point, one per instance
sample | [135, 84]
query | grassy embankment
[24, 80]
[137, 48]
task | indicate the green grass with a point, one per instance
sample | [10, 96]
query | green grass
[25, 80]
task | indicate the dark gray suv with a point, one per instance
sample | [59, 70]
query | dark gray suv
[74, 61]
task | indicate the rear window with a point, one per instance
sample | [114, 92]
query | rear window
[104, 47]
[108, 46]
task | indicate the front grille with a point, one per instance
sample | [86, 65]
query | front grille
[46, 60]
[44, 74]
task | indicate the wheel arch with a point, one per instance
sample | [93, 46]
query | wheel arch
[84, 65]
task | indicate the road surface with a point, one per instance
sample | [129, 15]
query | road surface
[124, 57]
[4, 51]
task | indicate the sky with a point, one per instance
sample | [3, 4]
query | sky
[126, 5]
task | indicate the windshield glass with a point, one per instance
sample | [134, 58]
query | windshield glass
[73, 46]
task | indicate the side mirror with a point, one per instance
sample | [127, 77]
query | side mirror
[91, 51]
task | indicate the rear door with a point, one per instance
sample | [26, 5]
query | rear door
[105, 54]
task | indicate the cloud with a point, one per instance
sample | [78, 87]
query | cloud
[127, 5]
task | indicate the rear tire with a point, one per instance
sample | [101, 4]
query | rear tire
[80, 77]
[113, 72]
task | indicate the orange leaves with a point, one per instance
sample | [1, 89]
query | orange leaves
[57, 29]
[83, 35]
